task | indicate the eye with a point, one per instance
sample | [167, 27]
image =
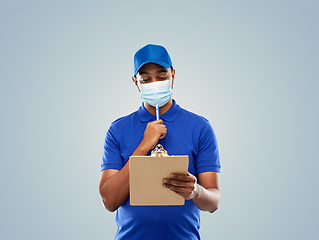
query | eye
[163, 78]
[144, 80]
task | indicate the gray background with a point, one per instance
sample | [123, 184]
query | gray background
[250, 67]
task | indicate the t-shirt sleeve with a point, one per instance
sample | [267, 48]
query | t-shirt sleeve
[111, 158]
[207, 159]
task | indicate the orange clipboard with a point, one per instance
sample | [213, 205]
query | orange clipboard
[147, 174]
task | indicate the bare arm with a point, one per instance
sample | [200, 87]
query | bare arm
[205, 194]
[114, 187]
[114, 184]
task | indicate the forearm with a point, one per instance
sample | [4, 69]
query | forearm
[115, 190]
[207, 199]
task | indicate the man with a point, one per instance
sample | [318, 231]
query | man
[181, 133]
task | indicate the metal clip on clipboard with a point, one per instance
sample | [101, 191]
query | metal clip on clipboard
[159, 151]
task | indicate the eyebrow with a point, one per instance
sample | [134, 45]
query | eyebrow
[159, 71]
[143, 73]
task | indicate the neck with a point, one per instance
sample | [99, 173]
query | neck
[163, 109]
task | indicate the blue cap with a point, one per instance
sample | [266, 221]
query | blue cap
[151, 54]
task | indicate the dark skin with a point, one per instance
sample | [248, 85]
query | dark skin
[114, 184]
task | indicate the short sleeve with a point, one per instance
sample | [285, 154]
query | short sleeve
[208, 155]
[111, 158]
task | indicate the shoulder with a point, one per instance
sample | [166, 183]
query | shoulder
[193, 117]
[122, 122]
[125, 119]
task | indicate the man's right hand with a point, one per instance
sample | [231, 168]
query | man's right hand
[154, 131]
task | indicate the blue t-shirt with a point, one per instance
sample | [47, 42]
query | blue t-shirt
[187, 134]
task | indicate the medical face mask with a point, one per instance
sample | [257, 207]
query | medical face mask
[156, 92]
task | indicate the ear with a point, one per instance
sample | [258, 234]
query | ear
[135, 82]
[173, 77]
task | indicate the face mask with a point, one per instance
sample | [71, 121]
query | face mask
[156, 92]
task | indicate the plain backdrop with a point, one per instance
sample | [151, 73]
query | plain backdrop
[250, 67]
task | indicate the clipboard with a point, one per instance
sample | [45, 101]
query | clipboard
[146, 178]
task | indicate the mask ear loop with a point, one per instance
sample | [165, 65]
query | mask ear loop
[137, 84]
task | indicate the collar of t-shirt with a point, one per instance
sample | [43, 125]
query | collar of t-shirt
[169, 116]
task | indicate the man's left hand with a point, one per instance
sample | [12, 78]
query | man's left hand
[184, 185]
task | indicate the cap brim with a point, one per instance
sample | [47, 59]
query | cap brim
[163, 64]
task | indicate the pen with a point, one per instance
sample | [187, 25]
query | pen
[157, 112]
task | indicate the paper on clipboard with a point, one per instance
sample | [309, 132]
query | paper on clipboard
[146, 179]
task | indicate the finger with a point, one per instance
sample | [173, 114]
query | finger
[186, 178]
[179, 183]
[162, 136]
[162, 132]
[161, 127]
[160, 121]
[156, 130]
[177, 188]
[184, 192]
[187, 193]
